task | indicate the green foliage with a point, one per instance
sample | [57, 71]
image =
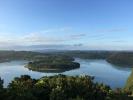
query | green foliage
[61, 87]
[21, 88]
[114, 57]
[121, 58]
[59, 62]
[77, 98]
[1, 90]
[129, 84]
[18, 55]
[89, 54]
[60, 58]
[1, 84]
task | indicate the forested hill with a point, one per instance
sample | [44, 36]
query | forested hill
[17, 55]
[121, 58]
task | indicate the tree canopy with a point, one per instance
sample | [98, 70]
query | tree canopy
[59, 87]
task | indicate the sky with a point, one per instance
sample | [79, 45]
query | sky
[66, 24]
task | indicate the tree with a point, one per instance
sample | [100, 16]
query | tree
[22, 88]
[1, 90]
[59, 87]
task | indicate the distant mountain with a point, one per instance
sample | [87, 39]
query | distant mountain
[52, 47]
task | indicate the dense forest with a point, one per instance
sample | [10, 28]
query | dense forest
[53, 63]
[60, 87]
[121, 58]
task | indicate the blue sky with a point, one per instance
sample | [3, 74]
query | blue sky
[75, 24]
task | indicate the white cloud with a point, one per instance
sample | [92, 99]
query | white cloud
[45, 39]
[37, 38]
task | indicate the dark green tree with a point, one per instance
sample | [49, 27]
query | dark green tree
[1, 90]
[21, 88]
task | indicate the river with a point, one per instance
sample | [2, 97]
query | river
[104, 72]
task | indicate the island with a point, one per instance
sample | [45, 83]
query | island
[56, 63]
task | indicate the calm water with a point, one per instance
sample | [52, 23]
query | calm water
[115, 76]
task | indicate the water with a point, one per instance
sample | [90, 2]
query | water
[104, 72]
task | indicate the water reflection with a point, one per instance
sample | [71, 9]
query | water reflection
[115, 76]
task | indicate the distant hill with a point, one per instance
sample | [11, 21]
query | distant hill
[122, 58]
